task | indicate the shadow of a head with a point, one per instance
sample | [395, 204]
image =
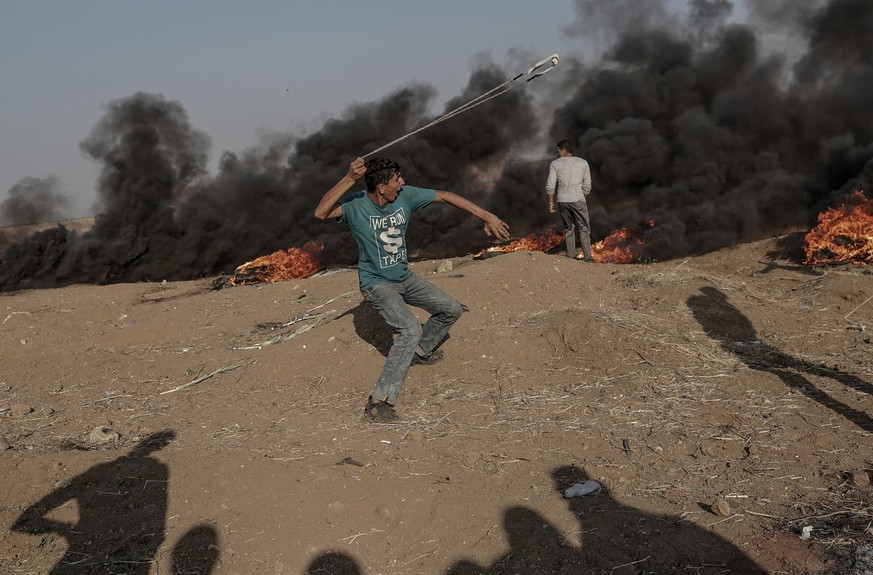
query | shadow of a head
[333, 563]
[719, 318]
[717, 296]
[153, 442]
[196, 552]
[566, 476]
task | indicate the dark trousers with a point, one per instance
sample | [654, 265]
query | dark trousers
[574, 215]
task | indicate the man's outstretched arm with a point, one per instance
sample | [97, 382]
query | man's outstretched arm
[494, 226]
[329, 206]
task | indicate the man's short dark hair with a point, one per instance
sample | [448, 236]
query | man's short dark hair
[379, 171]
[566, 145]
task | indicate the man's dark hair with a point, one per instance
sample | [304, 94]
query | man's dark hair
[566, 145]
[379, 171]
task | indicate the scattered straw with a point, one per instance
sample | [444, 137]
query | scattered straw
[224, 369]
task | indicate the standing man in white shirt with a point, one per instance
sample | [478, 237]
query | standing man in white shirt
[571, 176]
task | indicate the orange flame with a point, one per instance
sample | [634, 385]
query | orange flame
[623, 246]
[535, 242]
[844, 234]
[294, 263]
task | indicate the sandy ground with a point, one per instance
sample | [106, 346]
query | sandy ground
[723, 403]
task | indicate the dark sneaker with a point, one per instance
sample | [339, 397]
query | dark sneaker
[381, 411]
[582, 257]
[434, 357]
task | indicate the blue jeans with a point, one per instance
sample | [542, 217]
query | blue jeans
[390, 299]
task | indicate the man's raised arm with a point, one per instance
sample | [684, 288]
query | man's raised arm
[329, 206]
[494, 226]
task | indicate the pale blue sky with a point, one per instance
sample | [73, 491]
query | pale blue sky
[239, 69]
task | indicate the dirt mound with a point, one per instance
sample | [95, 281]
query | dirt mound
[722, 402]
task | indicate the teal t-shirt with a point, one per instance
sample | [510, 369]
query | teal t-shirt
[380, 233]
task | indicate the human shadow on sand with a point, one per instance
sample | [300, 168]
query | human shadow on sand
[371, 328]
[333, 563]
[614, 540]
[121, 507]
[726, 324]
[196, 552]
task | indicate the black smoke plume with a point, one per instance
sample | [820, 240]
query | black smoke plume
[163, 217]
[718, 140]
[33, 201]
[691, 119]
[30, 201]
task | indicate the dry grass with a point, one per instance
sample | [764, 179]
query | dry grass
[671, 420]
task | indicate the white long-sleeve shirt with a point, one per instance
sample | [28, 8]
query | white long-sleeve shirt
[571, 176]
